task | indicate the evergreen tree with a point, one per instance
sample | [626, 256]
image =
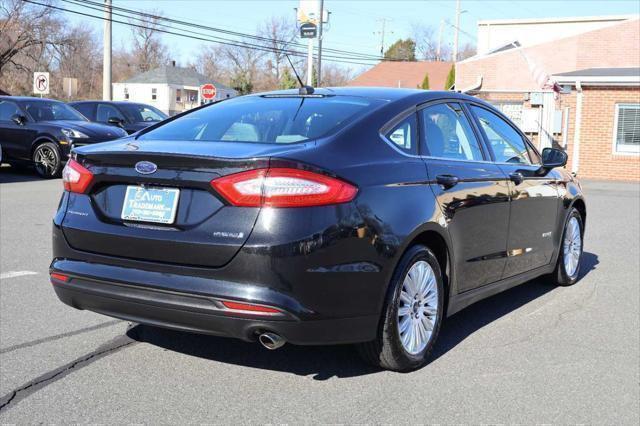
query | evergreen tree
[425, 82]
[451, 78]
[402, 50]
[287, 80]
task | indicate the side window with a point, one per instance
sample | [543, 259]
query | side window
[8, 109]
[506, 143]
[448, 134]
[405, 135]
[85, 109]
[106, 111]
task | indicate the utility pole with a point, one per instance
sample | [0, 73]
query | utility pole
[106, 60]
[321, 14]
[439, 51]
[310, 62]
[382, 33]
[457, 30]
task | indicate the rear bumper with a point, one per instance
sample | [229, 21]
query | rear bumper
[202, 314]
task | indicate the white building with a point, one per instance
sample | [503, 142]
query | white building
[169, 88]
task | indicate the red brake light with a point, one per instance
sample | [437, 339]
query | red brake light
[250, 308]
[283, 187]
[75, 177]
[59, 277]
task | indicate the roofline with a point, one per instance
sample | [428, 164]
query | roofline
[608, 80]
[605, 18]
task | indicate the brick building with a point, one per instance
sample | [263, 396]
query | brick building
[596, 115]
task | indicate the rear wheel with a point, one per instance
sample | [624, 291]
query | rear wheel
[570, 257]
[412, 314]
[47, 161]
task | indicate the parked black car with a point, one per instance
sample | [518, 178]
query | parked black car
[346, 216]
[130, 116]
[42, 132]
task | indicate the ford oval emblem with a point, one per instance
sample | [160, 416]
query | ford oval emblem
[146, 167]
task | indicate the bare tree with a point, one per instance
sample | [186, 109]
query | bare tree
[280, 32]
[27, 31]
[79, 57]
[428, 45]
[148, 49]
[334, 75]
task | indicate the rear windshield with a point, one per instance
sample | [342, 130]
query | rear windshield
[264, 119]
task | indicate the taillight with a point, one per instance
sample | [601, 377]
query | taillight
[282, 187]
[59, 277]
[75, 177]
[246, 307]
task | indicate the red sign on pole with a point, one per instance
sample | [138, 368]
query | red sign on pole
[208, 91]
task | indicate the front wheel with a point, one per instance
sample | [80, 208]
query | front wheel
[570, 257]
[47, 161]
[412, 314]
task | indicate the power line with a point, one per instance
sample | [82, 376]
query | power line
[340, 54]
[219, 40]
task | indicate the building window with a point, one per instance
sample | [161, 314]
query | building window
[126, 93]
[627, 129]
[178, 95]
[154, 94]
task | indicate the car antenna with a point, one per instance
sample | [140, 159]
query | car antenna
[304, 89]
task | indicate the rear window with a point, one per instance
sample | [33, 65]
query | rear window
[264, 119]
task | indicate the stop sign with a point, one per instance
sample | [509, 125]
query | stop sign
[208, 91]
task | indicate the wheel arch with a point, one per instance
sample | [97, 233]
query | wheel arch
[437, 241]
[43, 139]
[580, 205]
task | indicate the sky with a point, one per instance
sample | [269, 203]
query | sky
[354, 25]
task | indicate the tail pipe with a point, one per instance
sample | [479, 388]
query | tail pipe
[271, 341]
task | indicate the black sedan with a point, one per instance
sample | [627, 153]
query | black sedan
[42, 132]
[130, 116]
[343, 216]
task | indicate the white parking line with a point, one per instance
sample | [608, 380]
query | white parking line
[13, 274]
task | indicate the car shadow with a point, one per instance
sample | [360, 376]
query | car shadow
[342, 361]
[10, 174]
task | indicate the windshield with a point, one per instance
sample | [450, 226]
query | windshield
[137, 113]
[51, 111]
[263, 119]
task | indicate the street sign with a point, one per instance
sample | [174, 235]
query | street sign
[208, 91]
[308, 30]
[41, 83]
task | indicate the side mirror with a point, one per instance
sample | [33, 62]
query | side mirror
[552, 158]
[115, 121]
[19, 119]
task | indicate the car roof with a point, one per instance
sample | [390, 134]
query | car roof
[28, 98]
[383, 93]
[106, 102]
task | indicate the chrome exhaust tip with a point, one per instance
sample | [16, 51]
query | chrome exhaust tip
[271, 341]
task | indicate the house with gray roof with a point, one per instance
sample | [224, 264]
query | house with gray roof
[169, 88]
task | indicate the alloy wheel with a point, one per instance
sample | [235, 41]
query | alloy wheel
[572, 246]
[417, 307]
[46, 161]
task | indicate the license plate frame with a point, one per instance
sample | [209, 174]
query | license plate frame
[150, 204]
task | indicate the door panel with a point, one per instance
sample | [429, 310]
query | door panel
[534, 210]
[476, 211]
[534, 198]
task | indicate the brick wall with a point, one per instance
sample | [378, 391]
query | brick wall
[615, 46]
[597, 157]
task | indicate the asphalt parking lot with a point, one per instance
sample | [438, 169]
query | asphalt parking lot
[535, 354]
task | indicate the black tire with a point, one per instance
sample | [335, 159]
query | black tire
[51, 154]
[387, 350]
[560, 276]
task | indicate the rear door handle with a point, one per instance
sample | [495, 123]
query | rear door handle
[447, 181]
[516, 177]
